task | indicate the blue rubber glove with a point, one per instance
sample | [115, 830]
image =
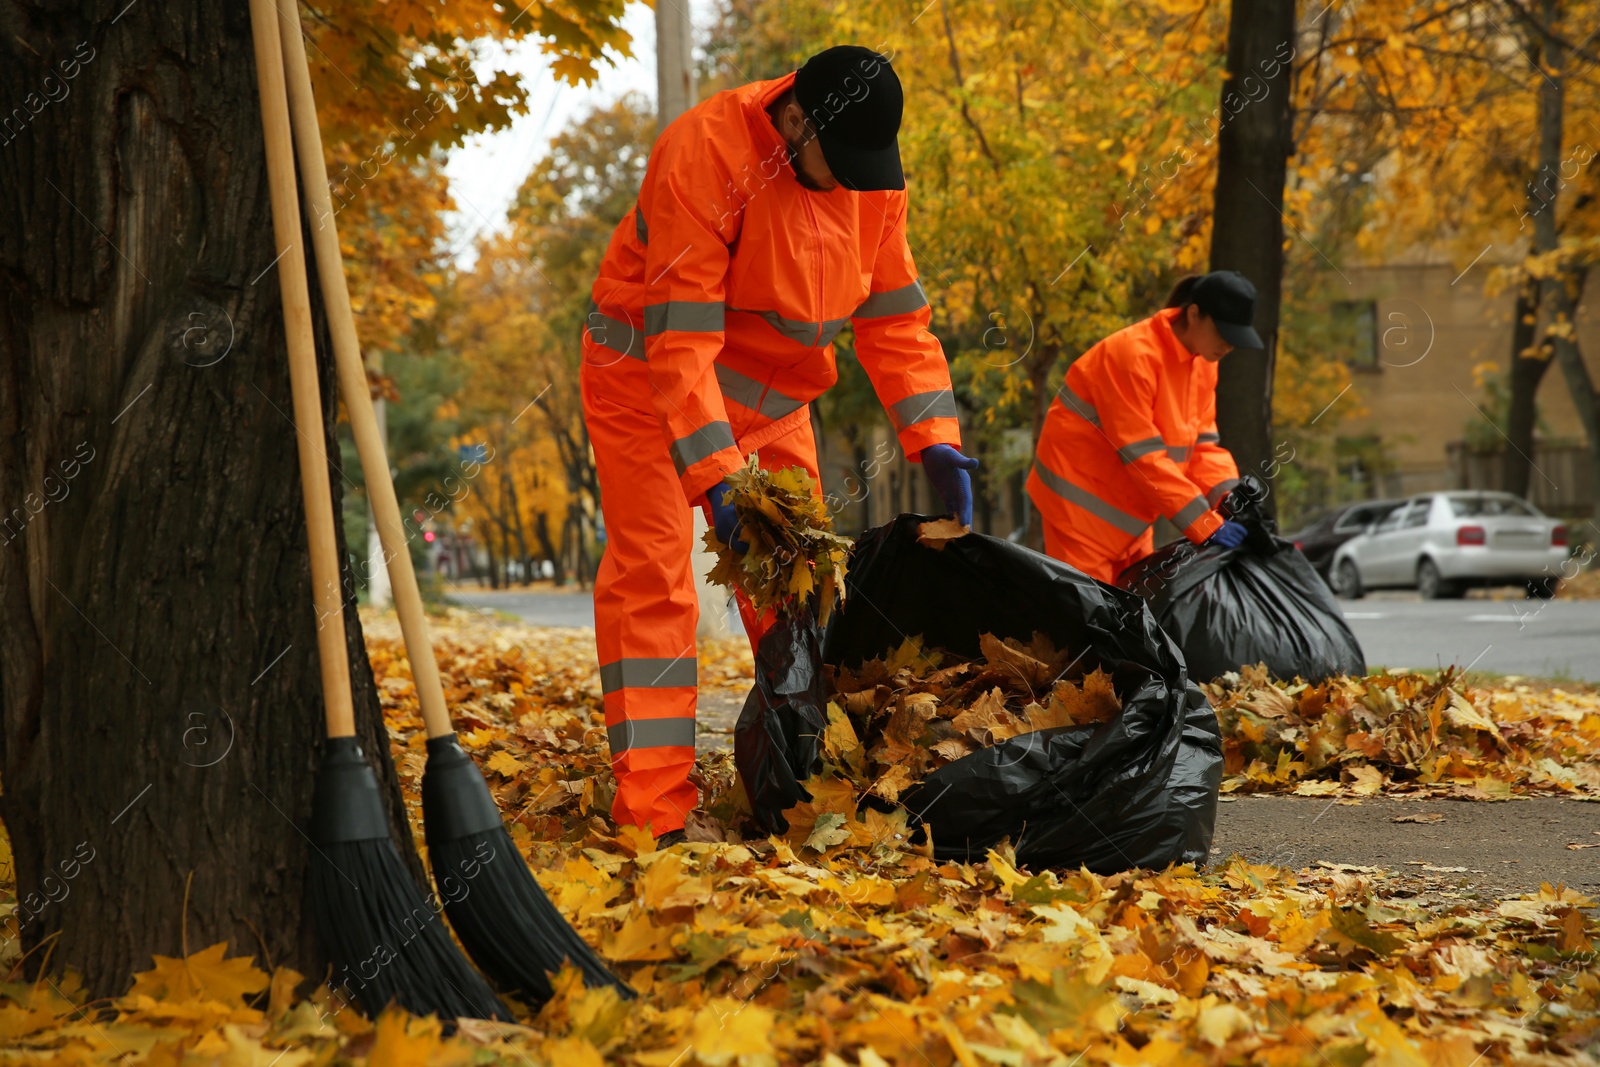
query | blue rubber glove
[1229, 535]
[947, 470]
[725, 517]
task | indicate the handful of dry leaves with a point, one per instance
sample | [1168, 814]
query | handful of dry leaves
[893, 720]
[793, 550]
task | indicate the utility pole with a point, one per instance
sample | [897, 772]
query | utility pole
[674, 62]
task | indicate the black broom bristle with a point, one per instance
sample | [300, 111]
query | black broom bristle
[384, 935]
[498, 909]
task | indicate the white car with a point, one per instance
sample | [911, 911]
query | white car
[1443, 543]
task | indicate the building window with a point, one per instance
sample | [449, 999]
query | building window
[1355, 333]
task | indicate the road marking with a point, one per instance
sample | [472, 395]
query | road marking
[1366, 614]
[1501, 618]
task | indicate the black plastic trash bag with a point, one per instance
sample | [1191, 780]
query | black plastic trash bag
[780, 728]
[1262, 602]
[1139, 791]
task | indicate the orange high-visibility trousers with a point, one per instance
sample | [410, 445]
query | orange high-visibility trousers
[645, 605]
[1067, 539]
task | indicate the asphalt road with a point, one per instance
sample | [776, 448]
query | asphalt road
[534, 608]
[1495, 849]
[1544, 639]
[1557, 639]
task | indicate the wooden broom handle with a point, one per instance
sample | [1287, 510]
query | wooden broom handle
[353, 376]
[307, 392]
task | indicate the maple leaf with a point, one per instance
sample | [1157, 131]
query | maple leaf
[987, 721]
[1069, 1003]
[404, 1040]
[1349, 930]
[911, 655]
[202, 975]
[893, 782]
[952, 748]
[505, 764]
[840, 743]
[830, 829]
[937, 533]
[640, 939]
[1032, 672]
[1095, 701]
[727, 1031]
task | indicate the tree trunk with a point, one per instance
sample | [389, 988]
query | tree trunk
[159, 688]
[1253, 148]
[541, 530]
[494, 567]
[1038, 376]
[1522, 410]
[1567, 289]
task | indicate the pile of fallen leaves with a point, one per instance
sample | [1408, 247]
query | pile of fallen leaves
[1405, 732]
[793, 551]
[840, 943]
[894, 719]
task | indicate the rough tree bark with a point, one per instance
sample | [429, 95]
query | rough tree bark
[159, 689]
[1253, 148]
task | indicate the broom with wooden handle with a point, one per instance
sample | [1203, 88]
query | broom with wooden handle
[502, 916]
[383, 934]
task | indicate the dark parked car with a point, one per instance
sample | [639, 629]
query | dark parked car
[1319, 538]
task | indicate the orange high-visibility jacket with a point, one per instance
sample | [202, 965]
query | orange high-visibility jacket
[1133, 434]
[731, 285]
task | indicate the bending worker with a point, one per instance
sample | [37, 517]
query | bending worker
[1133, 434]
[770, 216]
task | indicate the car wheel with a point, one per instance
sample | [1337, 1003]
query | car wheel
[1542, 588]
[1347, 580]
[1431, 585]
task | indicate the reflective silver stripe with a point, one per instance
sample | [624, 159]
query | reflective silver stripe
[752, 394]
[1178, 453]
[708, 440]
[1132, 451]
[650, 733]
[1077, 404]
[691, 315]
[920, 407]
[1209, 438]
[610, 333]
[1086, 500]
[640, 230]
[901, 301]
[810, 334]
[648, 673]
[1218, 491]
[1189, 512]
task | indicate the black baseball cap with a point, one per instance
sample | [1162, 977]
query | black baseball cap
[1228, 298]
[852, 96]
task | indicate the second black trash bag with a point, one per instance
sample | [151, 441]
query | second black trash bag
[1262, 602]
[1139, 791]
[776, 740]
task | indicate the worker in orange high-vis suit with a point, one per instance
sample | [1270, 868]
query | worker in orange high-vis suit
[770, 217]
[1132, 433]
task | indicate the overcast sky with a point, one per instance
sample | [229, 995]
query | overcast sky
[486, 172]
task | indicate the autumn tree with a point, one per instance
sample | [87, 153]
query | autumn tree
[515, 325]
[158, 688]
[1469, 125]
